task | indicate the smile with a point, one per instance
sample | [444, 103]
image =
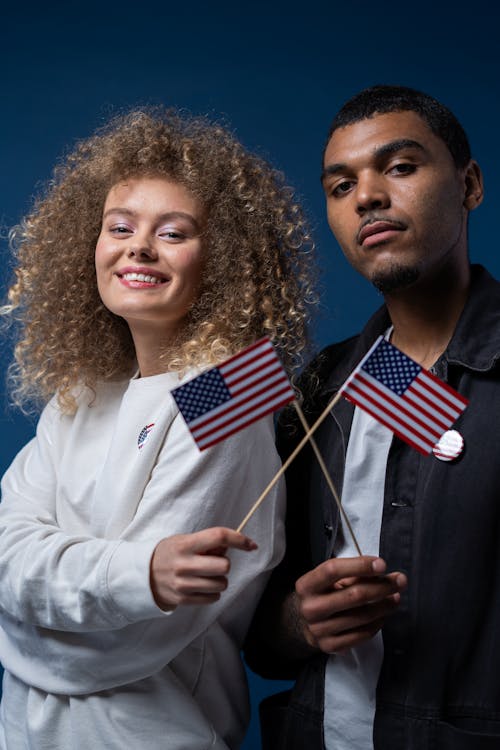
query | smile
[141, 277]
[147, 278]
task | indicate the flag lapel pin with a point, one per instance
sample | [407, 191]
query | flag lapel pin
[144, 434]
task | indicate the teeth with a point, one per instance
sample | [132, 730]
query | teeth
[141, 277]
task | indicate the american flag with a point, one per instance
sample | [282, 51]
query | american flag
[405, 397]
[227, 398]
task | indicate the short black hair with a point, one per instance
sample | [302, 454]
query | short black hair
[382, 99]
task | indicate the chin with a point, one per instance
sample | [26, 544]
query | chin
[394, 278]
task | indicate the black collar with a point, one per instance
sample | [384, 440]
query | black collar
[476, 341]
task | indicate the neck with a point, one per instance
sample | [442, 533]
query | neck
[150, 362]
[151, 348]
[425, 316]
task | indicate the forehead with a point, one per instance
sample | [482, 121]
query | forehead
[362, 139]
[154, 192]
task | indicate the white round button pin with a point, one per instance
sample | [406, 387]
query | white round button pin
[449, 446]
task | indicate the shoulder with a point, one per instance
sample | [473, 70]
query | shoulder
[331, 356]
[315, 379]
[314, 389]
[60, 413]
[329, 369]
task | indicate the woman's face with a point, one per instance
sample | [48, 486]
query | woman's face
[149, 254]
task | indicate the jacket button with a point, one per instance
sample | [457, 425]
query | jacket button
[328, 530]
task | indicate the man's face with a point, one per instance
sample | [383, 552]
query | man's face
[395, 200]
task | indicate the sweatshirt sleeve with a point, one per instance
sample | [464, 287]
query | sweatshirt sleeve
[49, 577]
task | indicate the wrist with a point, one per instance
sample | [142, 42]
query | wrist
[302, 636]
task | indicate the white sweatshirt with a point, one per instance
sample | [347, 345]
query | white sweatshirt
[90, 659]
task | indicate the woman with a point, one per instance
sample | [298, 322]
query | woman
[160, 248]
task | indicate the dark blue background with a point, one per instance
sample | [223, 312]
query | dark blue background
[274, 71]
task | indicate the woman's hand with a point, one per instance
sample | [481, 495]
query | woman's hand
[193, 568]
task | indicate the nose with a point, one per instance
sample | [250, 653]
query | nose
[371, 193]
[141, 247]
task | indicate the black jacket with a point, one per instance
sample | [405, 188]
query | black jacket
[439, 686]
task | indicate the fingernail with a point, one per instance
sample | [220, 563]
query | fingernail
[401, 582]
[250, 544]
[379, 566]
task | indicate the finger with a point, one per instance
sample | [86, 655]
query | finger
[219, 536]
[192, 586]
[202, 565]
[354, 619]
[321, 607]
[400, 578]
[324, 576]
[347, 640]
[216, 551]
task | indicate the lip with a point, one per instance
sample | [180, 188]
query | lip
[378, 231]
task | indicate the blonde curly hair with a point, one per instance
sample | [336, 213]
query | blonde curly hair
[258, 278]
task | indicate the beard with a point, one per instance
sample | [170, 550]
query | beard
[395, 278]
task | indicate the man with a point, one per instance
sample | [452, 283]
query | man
[406, 659]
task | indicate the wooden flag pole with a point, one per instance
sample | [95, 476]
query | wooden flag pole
[327, 476]
[290, 458]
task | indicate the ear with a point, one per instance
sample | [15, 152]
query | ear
[473, 180]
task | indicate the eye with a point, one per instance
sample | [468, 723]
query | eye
[172, 235]
[342, 188]
[120, 229]
[403, 168]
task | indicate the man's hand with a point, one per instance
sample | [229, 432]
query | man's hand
[344, 601]
[193, 568]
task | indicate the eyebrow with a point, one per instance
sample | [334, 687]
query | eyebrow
[163, 217]
[382, 151]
